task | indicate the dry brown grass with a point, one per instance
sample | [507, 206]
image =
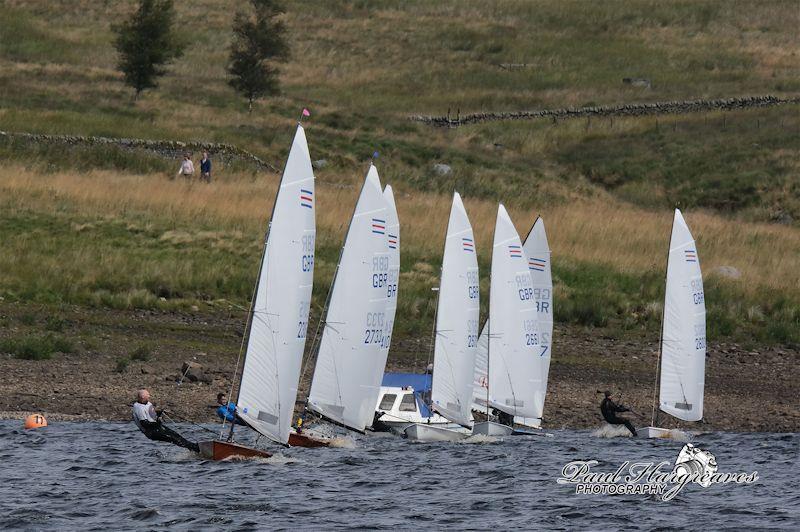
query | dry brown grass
[601, 231]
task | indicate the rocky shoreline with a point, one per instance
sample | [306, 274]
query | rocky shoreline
[746, 390]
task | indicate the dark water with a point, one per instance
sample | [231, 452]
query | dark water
[93, 476]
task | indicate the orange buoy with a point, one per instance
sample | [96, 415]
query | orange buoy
[35, 421]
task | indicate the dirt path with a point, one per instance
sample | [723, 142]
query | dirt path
[745, 390]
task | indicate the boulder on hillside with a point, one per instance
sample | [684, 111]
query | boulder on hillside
[442, 169]
[193, 372]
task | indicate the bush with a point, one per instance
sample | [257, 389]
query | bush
[122, 365]
[37, 347]
[141, 353]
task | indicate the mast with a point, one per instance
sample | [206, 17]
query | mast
[654, 417]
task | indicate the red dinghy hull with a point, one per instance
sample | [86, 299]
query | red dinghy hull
[220, 450]
[303, 440]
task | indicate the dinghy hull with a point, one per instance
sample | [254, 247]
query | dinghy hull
[664, 434]
[305, 440]
[220, 450]
[490, 428]
[420, 432]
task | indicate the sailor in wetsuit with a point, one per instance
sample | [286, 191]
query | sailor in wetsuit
[149, 422]
[609, 410]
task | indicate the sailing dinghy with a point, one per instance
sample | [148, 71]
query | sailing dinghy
[279, 312]
[350, 362]
[682, 353]
[456, 335]
[537, 252]
[514, 354]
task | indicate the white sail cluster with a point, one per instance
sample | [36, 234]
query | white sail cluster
[503, 369]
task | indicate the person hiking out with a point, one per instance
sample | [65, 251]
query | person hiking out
[148, 420]
[187, 167]
[609, 409]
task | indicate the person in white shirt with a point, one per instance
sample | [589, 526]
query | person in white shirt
[187, 167]
[148, 420]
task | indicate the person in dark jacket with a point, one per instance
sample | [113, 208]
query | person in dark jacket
[609, 409]
[148, 419]
[205, 167]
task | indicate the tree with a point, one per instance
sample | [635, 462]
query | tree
[259, 43]
[146, 43]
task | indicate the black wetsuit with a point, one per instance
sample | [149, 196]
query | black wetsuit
[158, 432]
[609, 410]
[505, 419]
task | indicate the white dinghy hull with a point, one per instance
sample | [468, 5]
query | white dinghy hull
[490, 428]
[420, 432]
[665, 434]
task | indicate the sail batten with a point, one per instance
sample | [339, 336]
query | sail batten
[279, 316]
[683, 344]
[456, 320]
[346, 380]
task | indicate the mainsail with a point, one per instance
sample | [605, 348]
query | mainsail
[456, 320]
[515, 375]
[280, 309]
[391, 281]
[344, 388]
[683, 344]
[537, 253]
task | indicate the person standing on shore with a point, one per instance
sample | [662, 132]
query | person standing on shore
[187, 167]
[609, 410]
[148, 420]
[205, 167]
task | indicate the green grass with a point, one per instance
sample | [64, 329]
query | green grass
[35, 347]
[362, 68]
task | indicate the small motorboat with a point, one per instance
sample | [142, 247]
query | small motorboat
[403, 401]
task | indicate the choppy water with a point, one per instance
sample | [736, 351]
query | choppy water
[94, 476]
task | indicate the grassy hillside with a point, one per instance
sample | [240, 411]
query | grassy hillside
[84, 226]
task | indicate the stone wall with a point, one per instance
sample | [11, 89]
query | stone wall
[169, 149]
[635, 109]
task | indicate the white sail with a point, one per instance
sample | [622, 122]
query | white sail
[280, 311]
[683, 344]
[537, 251]
[391, 282]
[514, 348]
[456, 320]
[344, 388]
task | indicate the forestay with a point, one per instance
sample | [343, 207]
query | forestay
[344, 387]
[683, 345]
[456, 320]
[280, 310]
[514, 348]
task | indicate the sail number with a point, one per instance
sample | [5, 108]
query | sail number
[543, 298]
[373, 334]
[472, 333]
[307, 264]
[473, 284]
[380, 271]
[524, 288]
[697, 291]
[302, 324]
[700, 342]
[531, 332]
